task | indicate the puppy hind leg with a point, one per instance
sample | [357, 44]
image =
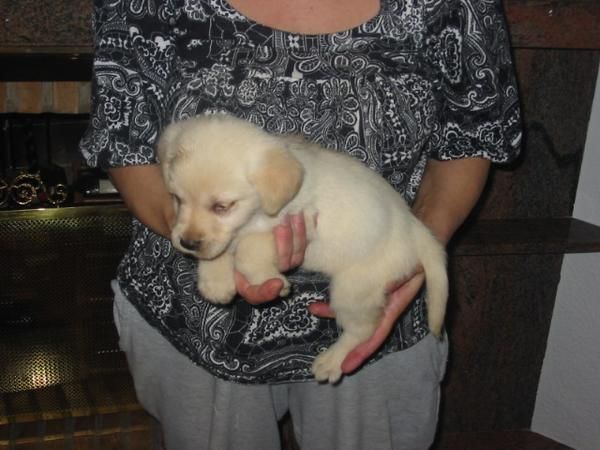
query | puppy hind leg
[358, 317]
[256, 259]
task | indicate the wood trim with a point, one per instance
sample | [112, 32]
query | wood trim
[496, 440]
[571, 24]
[3, 97]
[40, 66]
[28, 96]
[66, 97]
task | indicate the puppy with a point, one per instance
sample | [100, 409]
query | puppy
[232, 182]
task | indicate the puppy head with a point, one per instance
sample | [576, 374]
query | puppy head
[222, 172]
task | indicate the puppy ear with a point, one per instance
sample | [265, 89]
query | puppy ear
[166, 150]
[277, 179]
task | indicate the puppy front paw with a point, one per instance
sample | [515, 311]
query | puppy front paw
[217, 293]
[216, 281]
[216, 287]
[327, 367]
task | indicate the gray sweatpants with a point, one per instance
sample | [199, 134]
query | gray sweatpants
[392, 404]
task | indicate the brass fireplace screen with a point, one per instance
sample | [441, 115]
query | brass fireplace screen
[55, 300]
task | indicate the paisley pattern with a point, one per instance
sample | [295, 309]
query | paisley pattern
[422, 79]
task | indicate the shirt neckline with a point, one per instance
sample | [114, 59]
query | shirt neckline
[262, 26]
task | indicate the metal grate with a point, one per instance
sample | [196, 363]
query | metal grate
[55, 299]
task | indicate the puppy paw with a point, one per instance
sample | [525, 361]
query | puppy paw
[217, 292]
[328, 366]
[286, 288]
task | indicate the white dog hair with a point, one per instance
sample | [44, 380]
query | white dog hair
[232, 182]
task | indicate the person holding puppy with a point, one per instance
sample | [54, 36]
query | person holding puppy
[423, 92]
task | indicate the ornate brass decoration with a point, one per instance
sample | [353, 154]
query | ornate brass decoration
[4, 193]
[29, 189]
[57, 195]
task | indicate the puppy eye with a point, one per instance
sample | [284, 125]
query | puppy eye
[222, 208]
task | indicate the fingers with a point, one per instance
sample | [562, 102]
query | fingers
[299, 240]
[258, 294]
[290, 237]
[284, 241]
[321, 309]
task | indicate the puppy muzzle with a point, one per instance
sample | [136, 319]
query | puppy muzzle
[191, 245]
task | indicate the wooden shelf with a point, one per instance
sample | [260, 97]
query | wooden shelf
[527, 236]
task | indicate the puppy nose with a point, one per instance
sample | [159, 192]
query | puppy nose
[189, 244]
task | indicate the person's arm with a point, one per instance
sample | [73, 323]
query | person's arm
[145, 195]
[448, 193]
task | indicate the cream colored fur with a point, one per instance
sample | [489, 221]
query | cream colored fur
[233, 182]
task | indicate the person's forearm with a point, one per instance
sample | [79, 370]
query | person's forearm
[448, 193]
[143, 191]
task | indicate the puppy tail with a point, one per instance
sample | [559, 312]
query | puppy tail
[433, 258]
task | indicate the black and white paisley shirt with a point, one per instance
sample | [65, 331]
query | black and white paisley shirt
[422, 79]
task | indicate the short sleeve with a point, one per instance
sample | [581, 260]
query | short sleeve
[468, 46]
[132, 59]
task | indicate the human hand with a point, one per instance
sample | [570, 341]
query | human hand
[291, 242]
[401, 294]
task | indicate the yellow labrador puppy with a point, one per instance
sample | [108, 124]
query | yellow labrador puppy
[232, 182]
